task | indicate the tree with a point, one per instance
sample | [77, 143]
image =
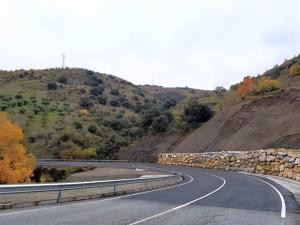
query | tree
[196, 113]
[149, 115]
[160, 124]
[78, 125]
[97, 91]
[219, 90]
[102, 99]
[294, 69]
[62, 79]
[16, 165]
[86, 103]
[92, 129]
[245, 87]
[110, 147]
[52, 86]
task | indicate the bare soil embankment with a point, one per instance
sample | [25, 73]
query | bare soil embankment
[265, 122]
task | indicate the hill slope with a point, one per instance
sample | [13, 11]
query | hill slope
[66, 111]
[267, 122]
[261, 121]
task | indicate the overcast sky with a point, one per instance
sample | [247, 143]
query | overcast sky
[200, 44]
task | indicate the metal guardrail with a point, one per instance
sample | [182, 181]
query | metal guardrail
[30, 188]
[80, 160]
[25, 188]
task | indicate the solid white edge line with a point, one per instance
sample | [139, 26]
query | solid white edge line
[98, 200]
[283, 206]
[184, 205]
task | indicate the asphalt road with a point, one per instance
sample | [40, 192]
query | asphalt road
[205, 197]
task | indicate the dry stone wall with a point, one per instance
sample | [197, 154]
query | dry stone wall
[277, 162]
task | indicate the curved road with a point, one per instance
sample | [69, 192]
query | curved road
[205, 197]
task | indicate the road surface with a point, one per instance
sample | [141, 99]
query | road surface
[205, 197]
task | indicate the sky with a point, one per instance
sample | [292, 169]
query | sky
[173, 43]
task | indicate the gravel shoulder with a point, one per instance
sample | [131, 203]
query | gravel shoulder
[109, 173]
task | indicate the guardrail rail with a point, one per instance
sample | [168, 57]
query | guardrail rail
[48, 187]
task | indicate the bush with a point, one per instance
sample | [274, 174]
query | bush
[117, 124]
[90, 72]
[114, 102]
[31, 139]
[149, 115]
[65, 137]
[22, 111]
[52, 175]
[62, 79]
[196, 113]
[78, 125]
[77, 153]
[294, 69]
[160, 124]
[102, 100]
[97, 91]
[92, 129]
[110, 147]
[115, 92]
[19, 96]
[266, 84]
[52, 86]
[85, 103]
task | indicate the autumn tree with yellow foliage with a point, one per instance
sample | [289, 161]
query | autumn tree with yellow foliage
[16, 166]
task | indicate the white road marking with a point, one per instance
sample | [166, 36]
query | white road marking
[283, 206]
[184, 205]
[96, 201]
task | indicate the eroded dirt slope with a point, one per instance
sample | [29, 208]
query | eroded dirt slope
[272, 121]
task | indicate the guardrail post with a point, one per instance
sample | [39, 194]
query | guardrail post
[114, 189]
[145, 185]
[59, 197]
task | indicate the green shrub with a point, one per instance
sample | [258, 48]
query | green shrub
[114, 92]
[52, 86]
[160, 124]
[31, 139]
[109, 148]
[65, 137]
[62, 79]
[78, 125]
[114, 102]
[19, 96]
[97, 90]
[85, 103]
[196, 113]
[92, 129]
[102, 99]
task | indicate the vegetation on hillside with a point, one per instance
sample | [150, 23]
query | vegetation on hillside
[79, 113]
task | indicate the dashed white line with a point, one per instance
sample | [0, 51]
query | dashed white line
[184, 205]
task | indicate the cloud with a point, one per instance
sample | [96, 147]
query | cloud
[194, 43]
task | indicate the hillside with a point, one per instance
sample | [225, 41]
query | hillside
[258, 121]
[66, 110]
[79, 113]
